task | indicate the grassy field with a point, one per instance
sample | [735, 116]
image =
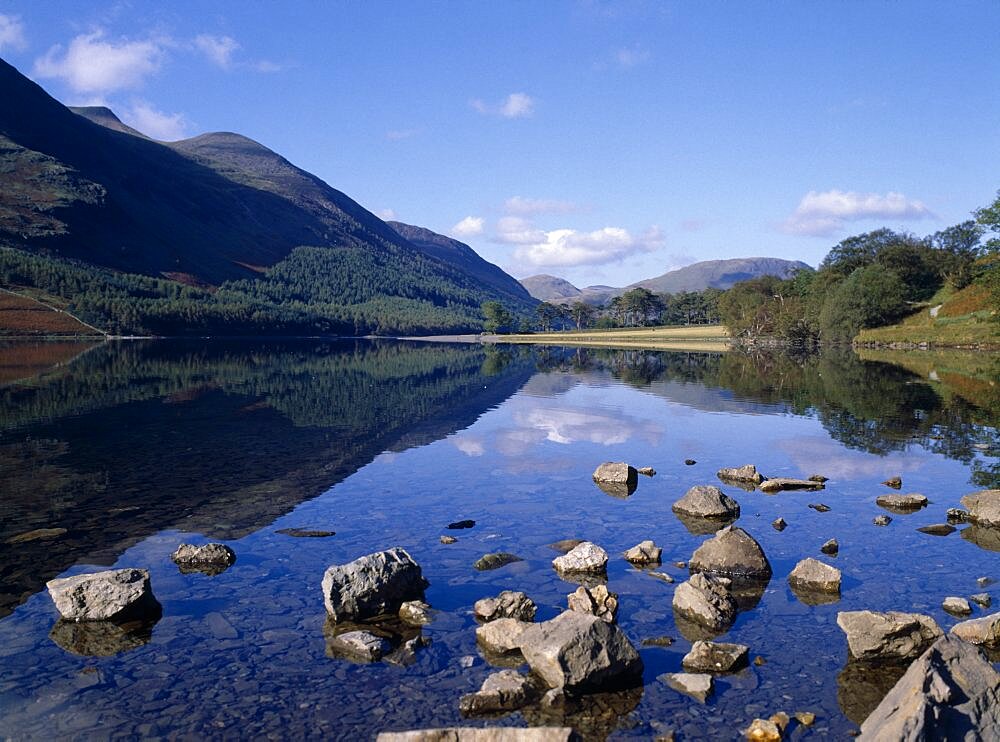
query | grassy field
[964, 320]
[683, 337]
[23, 315]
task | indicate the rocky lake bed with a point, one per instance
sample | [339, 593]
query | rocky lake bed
[518, 570]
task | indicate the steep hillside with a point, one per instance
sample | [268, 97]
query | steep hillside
[550, 288]
[81, 186]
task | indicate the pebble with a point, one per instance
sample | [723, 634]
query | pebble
[690, 462]
[881, 520]
[830, 547]
[982, 599]
[779, 524]
[460, 524]
[805, 718]
[448, 539]
[938, 529]
[820, 507]
[957, 606]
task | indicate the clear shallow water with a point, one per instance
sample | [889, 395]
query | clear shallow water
[134, 448]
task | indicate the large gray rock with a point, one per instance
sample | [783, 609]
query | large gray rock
[813, 575]
[596, 601]
[985, 630]
[211, 559]
[475, 734]
[891, 635]
[706, 600]
[501, 635]
[778, 484]
[715, 657]
[616, 473]
[732, 552]
[746, 473]
[983, 507]
[707, 501]
[114, 595]
[508, 604]
[506, 690]
[901, 503]
[372, 585]
[584, 557]
[578, 652]
[950, 693]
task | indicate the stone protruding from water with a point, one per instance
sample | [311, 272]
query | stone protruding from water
[746, 473]
[617, 472]
[360, 646]
[584, 557]
[950, 692]
[502, 635]
[813, 575]
[114, 595]
[645, 552]
[731, 552]
[372, 585]
[831, 547]
[779, 484]
[210, 558]
[495, 560]
[984, 631]
[983, 507]
[891, 635]
[707, 501]
[508, 604]
[957, 606]
[901, 503]
[506, 690]
[706, 600]
[580, 653]
[894, 482]
[718, 657]
[415, 612]
[596, 601]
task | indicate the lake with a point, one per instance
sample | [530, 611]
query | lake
[136, 447]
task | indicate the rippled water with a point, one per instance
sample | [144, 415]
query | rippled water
[136, 447]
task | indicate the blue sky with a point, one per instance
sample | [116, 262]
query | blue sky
[603, 142]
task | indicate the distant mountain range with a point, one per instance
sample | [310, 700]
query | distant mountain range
[720, 274]
[79, 184]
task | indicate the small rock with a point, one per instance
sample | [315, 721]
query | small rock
[372, 585]
[715, 657]
[596, 601]
[763, 730]
[819, 507]
[616, 473]
[502, 635]
[467, 661]
[697, 685]
[813, 575]
[938, 529]
[39, 534]
[362, 646]
[894, 482]
[957, 606]
[567, 544]
[781, 721]
[585, 557]
[506, 690]
[779, 484]
[759, 661]
[113, 595]
[305, 533]
[881, 520]
[495, 561]
[985, 630]
[891, 635]
[706, 600]
[553, 698]
[982, 599]
[690, 462]
[805, 718]
[448, 539]
[831, 547]
[818, 478]
[661, 576]
[707, 501]
[460, 524]
[508, 604]
[415, 612]
[645, 552]
[681, 565]
[731, 552]
[658, 641]
[210, 558]
[984, 581]
[779, 524]
[957, 515]
[647, 471]
[901, 503]
[746, 473]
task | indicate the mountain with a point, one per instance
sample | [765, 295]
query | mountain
[216, 210]
[719, 274]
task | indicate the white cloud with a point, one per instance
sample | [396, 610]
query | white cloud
[514, 230]
[93, 65]
[167, 127]
[529, 206]
[468, 227]
[218, 49]
[514, 106]
[386, 215]
[569, 248]
[821, 214]
[12, 33]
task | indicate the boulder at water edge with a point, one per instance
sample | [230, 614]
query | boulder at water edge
[372, 585]
[114, 595]
[731, 552]
[891, 635]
